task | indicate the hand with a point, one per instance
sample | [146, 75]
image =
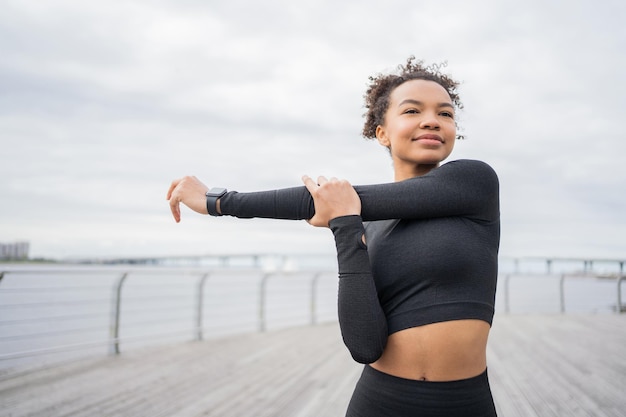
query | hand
[189, 191]
[332, 198]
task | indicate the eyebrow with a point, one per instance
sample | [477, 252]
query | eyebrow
[419, 103]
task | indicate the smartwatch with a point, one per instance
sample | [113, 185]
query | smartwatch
[211, 199]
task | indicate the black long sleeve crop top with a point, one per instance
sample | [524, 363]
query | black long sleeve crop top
[431, 254]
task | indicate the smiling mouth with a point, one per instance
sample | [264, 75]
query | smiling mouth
[429, 137]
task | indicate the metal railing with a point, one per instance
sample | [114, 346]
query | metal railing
[47, 297]
[194, 309]
[620, 306]
[562, 278]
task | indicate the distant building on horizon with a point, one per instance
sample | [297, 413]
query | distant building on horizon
[17, 251]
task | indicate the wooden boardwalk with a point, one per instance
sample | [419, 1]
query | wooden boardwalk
[539, 365]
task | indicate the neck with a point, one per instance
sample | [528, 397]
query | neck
[404, 173]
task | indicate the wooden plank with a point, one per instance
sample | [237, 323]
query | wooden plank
[539, 365]
[559, 365]
[267, 374]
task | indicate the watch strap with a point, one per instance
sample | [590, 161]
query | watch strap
[211, 199]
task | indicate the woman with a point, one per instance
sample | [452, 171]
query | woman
[417, 279]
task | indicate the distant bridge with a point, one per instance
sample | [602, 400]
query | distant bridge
[287, 261]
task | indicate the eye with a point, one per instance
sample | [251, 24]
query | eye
[447, 114]
[411, 111]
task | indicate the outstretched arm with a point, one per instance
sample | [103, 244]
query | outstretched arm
[361, 318]
[458, 188]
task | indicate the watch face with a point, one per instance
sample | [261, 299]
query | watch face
[216, 191]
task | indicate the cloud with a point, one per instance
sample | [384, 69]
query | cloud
[104, 103]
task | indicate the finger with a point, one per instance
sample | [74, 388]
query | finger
[322, 180]
[175, 208]
[172, 186]
[345, 183]
[309, 183]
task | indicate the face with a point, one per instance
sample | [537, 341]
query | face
[419, 127]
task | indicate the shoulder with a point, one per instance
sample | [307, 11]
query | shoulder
[473, 165]
[468, 169]
[473, 176]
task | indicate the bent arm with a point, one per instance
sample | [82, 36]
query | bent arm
[361, 318]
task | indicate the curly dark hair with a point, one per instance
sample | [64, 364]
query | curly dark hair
[381, 86]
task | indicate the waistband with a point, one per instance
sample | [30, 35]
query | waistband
[379, 394]
[470, 386]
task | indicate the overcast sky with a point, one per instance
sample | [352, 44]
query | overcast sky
[104, 103]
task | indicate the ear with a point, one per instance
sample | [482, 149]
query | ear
[382, 137]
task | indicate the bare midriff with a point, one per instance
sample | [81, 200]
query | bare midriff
[446, 351]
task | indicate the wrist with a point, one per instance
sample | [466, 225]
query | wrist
[212, 200]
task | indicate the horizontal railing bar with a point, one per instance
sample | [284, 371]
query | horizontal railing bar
[157, 297]
[224, 328]
[557, 275]
[130, 297]
[160, 307]
[52, 318]
[82, 345]
[248, 289]
[177, 285]
[140, 270]
[129, 322]
[38, 335]
[283, 322]
[561, 259]
[48, 289]
[54, 349]
[103, 314]
[67, 269]
[164, 271]
[53, 303]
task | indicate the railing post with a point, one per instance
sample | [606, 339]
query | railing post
[314, 280]
[507, 308]
[620, 309]
[199, 306]
[562, 292]
[262, 301]
[114, 331]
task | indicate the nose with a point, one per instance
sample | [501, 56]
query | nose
[430, 122]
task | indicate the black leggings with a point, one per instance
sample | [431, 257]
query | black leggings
[378, 394]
